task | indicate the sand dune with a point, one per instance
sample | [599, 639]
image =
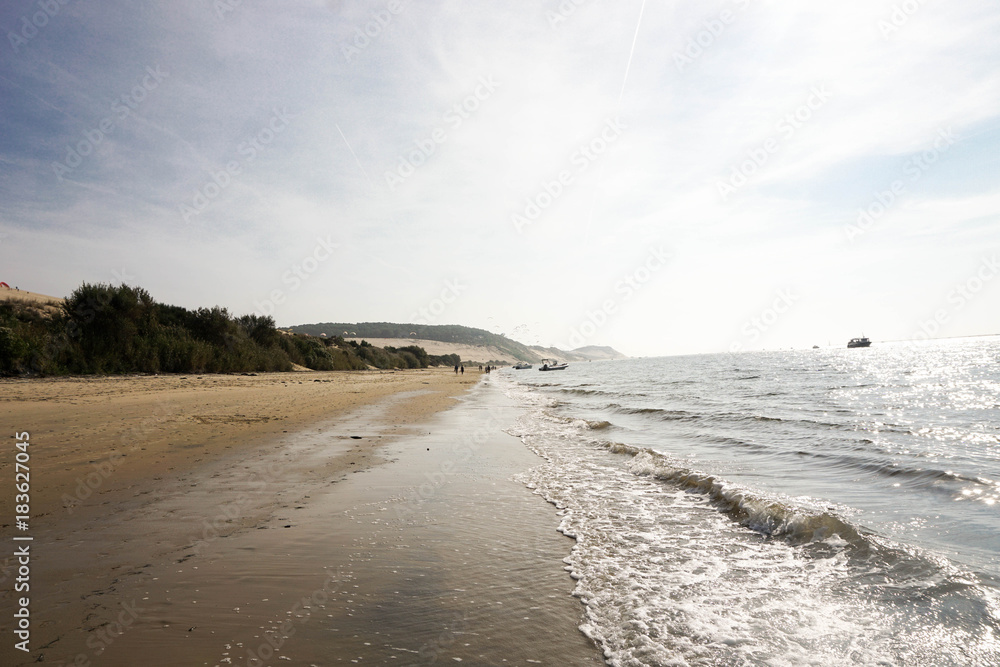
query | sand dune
[24, 295]
[468, 353]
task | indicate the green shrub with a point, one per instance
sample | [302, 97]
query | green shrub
[12, 350]
[105, 328]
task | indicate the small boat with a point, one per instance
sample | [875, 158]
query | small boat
[552, 365]
[859, 342]
[522, 366]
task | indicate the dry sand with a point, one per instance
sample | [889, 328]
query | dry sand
[12, 294]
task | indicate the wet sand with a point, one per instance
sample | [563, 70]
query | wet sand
[287, 539]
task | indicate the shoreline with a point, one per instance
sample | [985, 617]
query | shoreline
[243, 494]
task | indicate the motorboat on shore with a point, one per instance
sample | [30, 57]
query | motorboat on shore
[859, 342]
[522, 366]
[552, 365]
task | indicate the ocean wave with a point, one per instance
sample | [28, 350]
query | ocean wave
[960, 486]
[761, 514]
[720, 418]
[661, 413]
[886, 570]
[899, 572]
[585, 392]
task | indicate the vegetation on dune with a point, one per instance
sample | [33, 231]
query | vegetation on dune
[106, 329]
[446, 333]
[410, 356]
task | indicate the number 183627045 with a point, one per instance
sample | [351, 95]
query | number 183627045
[22, 479]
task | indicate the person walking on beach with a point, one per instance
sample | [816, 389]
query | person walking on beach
[463, 370]
[456, 369]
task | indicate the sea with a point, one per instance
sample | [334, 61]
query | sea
[809, 507]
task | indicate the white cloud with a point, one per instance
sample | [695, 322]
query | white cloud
[556, 87]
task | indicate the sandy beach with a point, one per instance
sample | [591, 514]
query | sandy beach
[178, 520]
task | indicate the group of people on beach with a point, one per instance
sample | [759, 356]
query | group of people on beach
[461, 368]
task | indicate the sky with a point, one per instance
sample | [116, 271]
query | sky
[662, 177]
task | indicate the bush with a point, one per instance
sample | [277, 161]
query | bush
[12, 350]
[120, 329]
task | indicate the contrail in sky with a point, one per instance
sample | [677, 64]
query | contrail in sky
[632, 50]
[372, 183]
[348, 144]
[628, 66]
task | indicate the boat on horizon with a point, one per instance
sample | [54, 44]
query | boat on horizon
[859, 342]
[552, 365]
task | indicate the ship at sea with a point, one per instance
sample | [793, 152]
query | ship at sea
[859, 342]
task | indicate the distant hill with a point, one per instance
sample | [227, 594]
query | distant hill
[586, 353]
[469, 354]
[446, 333]
[496, 346]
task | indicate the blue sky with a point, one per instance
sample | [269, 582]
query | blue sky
[663, 177]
